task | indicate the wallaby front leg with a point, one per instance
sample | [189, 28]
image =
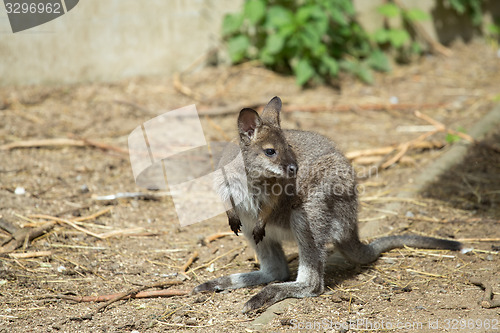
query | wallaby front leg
[309, 281]
[273, 267]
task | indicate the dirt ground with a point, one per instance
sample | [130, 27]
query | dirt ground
[404, 291]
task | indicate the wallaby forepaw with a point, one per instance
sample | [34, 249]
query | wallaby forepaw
[235, 225]
[258, 234]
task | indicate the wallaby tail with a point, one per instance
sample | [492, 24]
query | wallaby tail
[367, 253]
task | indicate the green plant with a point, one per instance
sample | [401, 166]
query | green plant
[472, 7]
[313, 39]
[454, 137]
[399, 38]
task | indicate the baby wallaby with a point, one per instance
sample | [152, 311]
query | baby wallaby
[298, 187]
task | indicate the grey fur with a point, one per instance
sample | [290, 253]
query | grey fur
[318, 208]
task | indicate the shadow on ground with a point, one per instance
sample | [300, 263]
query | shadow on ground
[473, 184]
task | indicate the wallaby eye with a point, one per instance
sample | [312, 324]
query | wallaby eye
[270, 152]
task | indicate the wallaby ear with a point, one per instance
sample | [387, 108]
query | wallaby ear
[271, 113]
[248, 121]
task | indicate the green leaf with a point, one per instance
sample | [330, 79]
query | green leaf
[278, 16]
[331, 64]
[493, 29]
[365, 74]
[381, 36]
[274, 43]
[417, 15]
[457, 5]
[452, 138]
[378, 61]
[389, 10]
[338, 18]
[231, 24]
[267, 58]
[416, 47]
[398, 37]
[237, 47]
[254, 10]
[303, 71]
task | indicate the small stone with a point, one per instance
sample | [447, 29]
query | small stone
[19, 190]
[190, 321]
[394, 100]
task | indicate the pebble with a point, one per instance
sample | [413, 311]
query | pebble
[409, 214]
[190, 321]
[20, 190]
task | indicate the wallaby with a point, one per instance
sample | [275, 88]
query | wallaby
[298, 187]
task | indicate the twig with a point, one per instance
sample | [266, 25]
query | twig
[218, 235]
[61, 142]
[92, 216]
[128, 232]
[362, 107]
[141, 294]
[30, 255]
[352, 155]
[25, 235]
[478, 240]
[185, 90]
[189, 262]
[232, 109]
[487, 302]
[132, 293]
[442, 128]
[42, 143]
[216, 258]
[67, 222]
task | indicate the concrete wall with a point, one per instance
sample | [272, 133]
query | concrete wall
[107, 40]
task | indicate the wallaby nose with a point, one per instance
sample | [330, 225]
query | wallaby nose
[291, 170]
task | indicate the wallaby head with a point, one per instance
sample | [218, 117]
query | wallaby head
[265, 150]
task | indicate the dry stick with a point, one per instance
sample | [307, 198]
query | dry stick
[135, 291]
[141, 294]
[362, 107]
[487, 302]
[189, 262]
[442, 128]
[61, 142]
[126, 295]
[25, 234]
[465, 240]
[30, 255]
[92, 216]
[403, 148]
[388, 149]
[435, 45]
[232, 109]
[67, 222]
[218, 235]
[42, 143]
[185, 90]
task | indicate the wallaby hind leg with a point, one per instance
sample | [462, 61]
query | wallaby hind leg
[312, 256]
[273, 267]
